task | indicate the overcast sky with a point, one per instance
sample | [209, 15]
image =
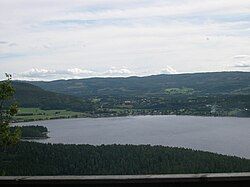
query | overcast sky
[55, 39]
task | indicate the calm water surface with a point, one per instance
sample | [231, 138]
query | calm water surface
[226, 135]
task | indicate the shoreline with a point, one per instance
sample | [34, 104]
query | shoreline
[110, 116]
[34, 138]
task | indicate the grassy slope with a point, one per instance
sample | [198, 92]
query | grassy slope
[35, 114]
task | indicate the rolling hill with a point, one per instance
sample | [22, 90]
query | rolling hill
[205, 94]
[199, 83]
[28, 95]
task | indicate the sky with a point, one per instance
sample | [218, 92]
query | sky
[64, 39]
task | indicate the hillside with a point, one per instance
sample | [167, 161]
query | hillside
[204, 94]
[28, 95]
[57, 159]
[198, 83]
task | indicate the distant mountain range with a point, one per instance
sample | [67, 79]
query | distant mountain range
[200, 83]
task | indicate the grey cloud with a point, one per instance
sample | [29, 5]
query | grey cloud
[242, 64]
[8, 43]
[3, 42]
[241, 56]
[242, 61]
[12, 44]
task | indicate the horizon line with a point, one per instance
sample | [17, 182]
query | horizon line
[132, 76]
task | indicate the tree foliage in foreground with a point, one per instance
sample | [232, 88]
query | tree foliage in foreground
[7, 137]
[29, 158]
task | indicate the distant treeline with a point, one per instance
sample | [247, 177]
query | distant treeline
[30, 132]
[29, 158]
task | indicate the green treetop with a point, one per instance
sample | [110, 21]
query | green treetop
[6, 113]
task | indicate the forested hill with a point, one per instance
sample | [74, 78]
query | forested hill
[29, 158]
[28, 95]
[199, 83]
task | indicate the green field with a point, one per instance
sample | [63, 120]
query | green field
[184, 91]
[35, 114]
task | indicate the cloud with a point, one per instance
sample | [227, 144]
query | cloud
[46, 74]
[144, 36]
[36, 73]
[117, 72]
[242, 61]
[3, 42]
[160, 9]
[12, 44]
[8, 43]
[242, 64]
[10, 55]
[241, 56]
[169, 70]
[78, 71]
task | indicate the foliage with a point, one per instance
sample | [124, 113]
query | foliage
[173, 91]
[155, 85]
[57, 159]
[6, 113]
[32, 132]
[30, 96]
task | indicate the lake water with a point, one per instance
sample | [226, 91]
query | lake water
[226, 135]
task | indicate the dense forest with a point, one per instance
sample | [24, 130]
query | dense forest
[29, 158]
[32, 132]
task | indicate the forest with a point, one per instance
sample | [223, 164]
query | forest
[28, 95]
[32, 132]
[154, 85]
[30, 158]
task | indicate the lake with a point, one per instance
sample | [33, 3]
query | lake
[226, 135]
